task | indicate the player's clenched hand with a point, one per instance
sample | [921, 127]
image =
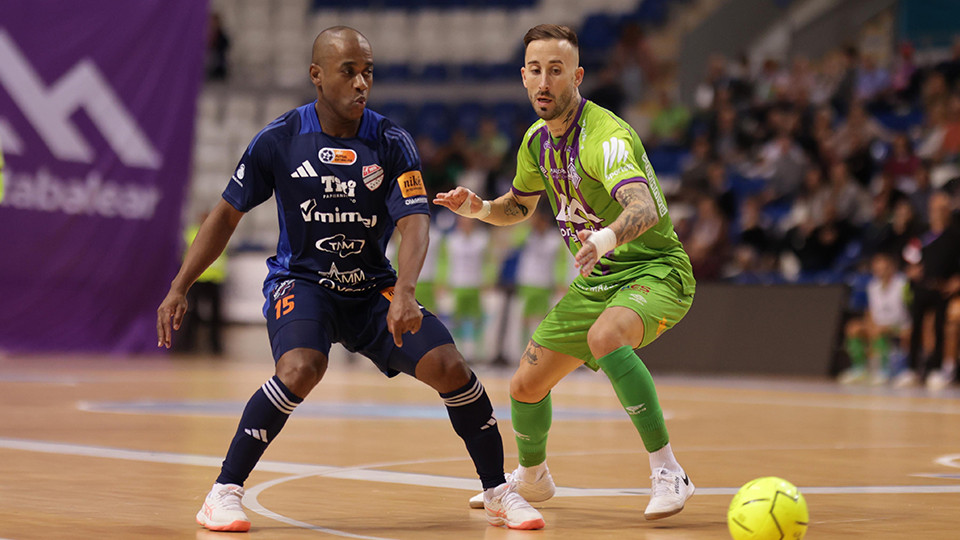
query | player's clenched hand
[454, 199]
[403, 316]
[173, 307]
[587, 257]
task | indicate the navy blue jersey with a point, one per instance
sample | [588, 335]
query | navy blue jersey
[338, 200]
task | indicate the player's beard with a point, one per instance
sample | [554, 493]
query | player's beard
[561, 104]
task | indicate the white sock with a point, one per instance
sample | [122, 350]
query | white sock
[531, 474]
[664, 458]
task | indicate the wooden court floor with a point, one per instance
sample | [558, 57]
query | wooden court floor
[104, 448]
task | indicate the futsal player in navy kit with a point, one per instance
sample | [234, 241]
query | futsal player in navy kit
[343, 177]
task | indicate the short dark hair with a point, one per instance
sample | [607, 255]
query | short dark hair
[551, 31]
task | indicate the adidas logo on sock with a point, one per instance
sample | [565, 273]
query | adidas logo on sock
[490, 423]
[258, 434]
[305, 170]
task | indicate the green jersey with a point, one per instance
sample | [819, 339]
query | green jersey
[580, 174]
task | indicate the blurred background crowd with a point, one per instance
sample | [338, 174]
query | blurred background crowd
[780, 166]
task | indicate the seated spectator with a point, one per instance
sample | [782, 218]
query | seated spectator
[669, 125]
[218, 43]
[902, 163]
[851, 201]
[873, 84]
[707, 242]
[877, 336]
[920, 194]
[817, 247]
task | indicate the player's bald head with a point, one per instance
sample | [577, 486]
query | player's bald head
[335, 42]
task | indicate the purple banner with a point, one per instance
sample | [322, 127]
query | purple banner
[97, 106]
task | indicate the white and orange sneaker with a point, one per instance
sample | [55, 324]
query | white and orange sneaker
[222, 510]
[535, 484]
[669, 494]
[504, 506]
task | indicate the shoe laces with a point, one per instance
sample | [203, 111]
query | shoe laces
[662, 481]
[511, 500]
[229, 498]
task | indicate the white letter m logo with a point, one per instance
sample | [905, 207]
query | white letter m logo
[49, 109]
[614, 152]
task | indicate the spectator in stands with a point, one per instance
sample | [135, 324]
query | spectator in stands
[859, 129]
[467, 251]
[693, 170]
[755, 252]
[902, 163]
[904, 225]
[489, 149]
[707, 241]
[218, 43]
[669, 124]
[706, 91]
[845, 90]
[635, 62]
[873, 84]
[781, 163]
[930, 139]
[806, 212]
[921, 192]
[902, 77]
[609, 92]
[879, 334]
[934, 271]
[950, 146]
[818, 249]
[950, 68]
[850, 200]
[728, 141]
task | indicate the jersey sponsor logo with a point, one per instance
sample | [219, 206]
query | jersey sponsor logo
[626, 168]
[340, 245]
[654, 186]
[415, 200]
[662, 326]
[308, 210]
[572, 211]
[595, 288]
[334, 188]
[372, 176]
[305, 170]
[411, 184]
[337, 156]
[614, 152]
[283, 288]
[50, 109]
[238, 176]
[343, 281]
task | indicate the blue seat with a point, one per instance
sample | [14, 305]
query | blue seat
[467, 117]
[433, 120]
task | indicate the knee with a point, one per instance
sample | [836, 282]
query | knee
[443, 369]
[603, 339]
[527, 389]
[301, 370]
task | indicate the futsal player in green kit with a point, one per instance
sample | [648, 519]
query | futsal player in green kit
[635, 281]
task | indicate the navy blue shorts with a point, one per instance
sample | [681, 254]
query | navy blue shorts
[305, 314]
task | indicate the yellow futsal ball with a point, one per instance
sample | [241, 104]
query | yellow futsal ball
[768, 508]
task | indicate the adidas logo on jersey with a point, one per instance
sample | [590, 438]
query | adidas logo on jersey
[614, 152]
[305, 170]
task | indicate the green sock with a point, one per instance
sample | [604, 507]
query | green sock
[857, 350]
[880, 346]
[531, 422]
[634, 386]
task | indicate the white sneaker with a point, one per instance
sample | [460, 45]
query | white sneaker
[854, 375]
[669, 493]
[905, 379]
[507, 507]
[941, 378]
[535, 490]
[222, 510]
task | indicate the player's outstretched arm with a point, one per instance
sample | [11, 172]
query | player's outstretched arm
[215, 232]
[639, 214]
[507, 209]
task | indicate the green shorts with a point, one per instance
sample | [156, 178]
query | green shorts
[659, 302]
[536, 300]
[466, 303]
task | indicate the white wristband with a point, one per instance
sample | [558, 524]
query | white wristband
[604, 240]
[464, 209]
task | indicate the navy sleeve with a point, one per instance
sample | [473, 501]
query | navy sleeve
[407, 193]
[253, 181]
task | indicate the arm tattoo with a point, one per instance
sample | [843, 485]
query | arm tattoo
[532, 353]
[639, 212]
[512, 208]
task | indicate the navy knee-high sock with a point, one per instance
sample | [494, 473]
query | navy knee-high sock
[471, 414]
[263, 418]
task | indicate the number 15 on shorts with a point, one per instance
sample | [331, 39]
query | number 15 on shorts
[284, 305]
